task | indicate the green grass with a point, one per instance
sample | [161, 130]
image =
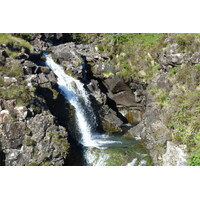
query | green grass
[18, 90]
[12, 70]
[194, 160]
[107, 74]
[12, 54]
[16, 42]
[184, 122]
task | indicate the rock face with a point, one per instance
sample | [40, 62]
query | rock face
[171, 57]
[175, 155]
[152, 131]
[35, 118]
[29, 133]
[124, 100]
[35, 122]
[36, 142]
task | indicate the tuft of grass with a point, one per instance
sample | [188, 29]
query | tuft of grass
[194, 160]
[16, 42]
[12, 54]
[107, 74]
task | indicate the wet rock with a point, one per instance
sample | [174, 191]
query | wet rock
[131, 155]
[153, 131]
[110, 122]
[56, 38]
[133, 115]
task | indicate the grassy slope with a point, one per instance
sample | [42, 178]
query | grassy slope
[17, 91]
[16, 44]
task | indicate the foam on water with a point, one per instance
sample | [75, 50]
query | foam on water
[74, 92]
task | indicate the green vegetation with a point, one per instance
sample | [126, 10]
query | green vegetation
[33, 164]
[181, 104]
[13, 70]
[129, 51]
[17, 43]
[107, 74]
[184, 123]
[25, 36]
[160, 96]
[9, 90]
[194, 160]
[29, 141]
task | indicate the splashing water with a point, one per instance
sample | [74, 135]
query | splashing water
[74, 92]
[100, 149]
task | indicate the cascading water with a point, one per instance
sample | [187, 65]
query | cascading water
[99, 149]
[74, 92]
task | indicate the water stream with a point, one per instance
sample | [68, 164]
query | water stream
[99, 149]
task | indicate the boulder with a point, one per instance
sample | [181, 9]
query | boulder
[175, 155]
[172, 59]
[124, 99]
[116, 85]
[94, 89]
[39, 142]
[195, 59]
[133, 115]
[12, 135]
[111, 123]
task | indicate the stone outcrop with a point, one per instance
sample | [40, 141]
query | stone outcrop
[175, 155]
[29, 133]
[36, 132]
[124, 99]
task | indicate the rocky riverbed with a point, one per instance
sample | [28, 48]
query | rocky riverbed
[37, 123]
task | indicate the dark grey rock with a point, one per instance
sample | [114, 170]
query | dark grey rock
[116, 84]
[125, 98]
[3, 56]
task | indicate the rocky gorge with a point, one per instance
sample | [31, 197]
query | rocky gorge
[37, 124]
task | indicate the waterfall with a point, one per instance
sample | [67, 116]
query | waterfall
[73, 90]
[99, 149]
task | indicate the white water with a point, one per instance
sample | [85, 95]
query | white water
[73, 90]
[75, 93]
[132, 163]
[96, 159]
